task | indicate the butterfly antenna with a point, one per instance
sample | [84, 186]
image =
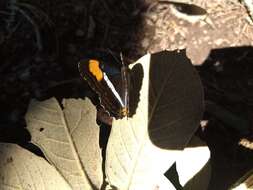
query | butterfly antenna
[113, 55]
[121, 59]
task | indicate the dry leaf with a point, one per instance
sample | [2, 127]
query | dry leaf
[21, 169]
[142, 148]
[194, 160]
[245, 182]
[69, 138]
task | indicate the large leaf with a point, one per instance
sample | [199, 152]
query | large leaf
[69, 138]
[143, 147]
[20, 169]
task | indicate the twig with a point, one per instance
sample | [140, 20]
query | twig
[249, 6]
[34, 24]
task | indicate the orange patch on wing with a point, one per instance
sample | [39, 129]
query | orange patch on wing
[95, 70]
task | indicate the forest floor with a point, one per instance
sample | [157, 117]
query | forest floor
[41, 43]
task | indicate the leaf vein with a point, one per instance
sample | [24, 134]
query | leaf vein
[77, 123]
[55, 140]
[59, 125]
[18, 176]
[59, 156]
[45, 108]
[9, 185]
[124, 145]
[119, 161]
[31, 176]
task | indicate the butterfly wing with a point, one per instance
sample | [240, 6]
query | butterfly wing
[105, 92]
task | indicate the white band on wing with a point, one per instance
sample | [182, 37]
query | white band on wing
[107, 80]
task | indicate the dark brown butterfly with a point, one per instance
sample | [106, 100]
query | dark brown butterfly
[113, 95]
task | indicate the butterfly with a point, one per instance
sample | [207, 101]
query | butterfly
[113, 91]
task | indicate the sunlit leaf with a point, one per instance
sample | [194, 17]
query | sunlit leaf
[69, 138]
[245, 182]
[21, 169]
[141, 148]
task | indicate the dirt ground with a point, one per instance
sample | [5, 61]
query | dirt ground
[42, 41]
